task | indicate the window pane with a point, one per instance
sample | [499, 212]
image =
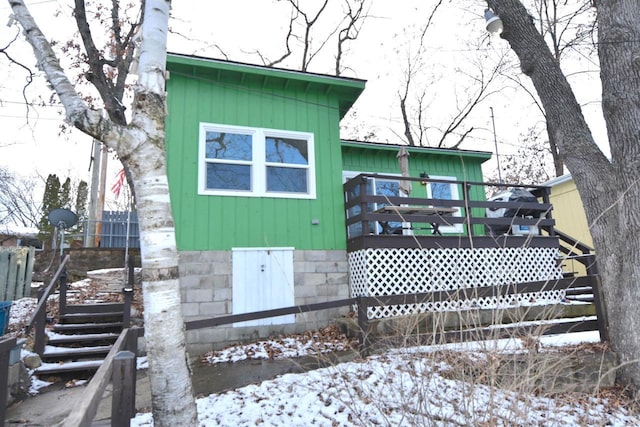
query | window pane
[287, 180]
[228, 146]
[390, 189]
[440, 190]
[228, 177]
[285, 150]
[387, 188]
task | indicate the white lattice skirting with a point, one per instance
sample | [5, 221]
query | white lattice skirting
[375, 272]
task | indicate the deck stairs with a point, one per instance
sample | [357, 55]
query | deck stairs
[78, 343]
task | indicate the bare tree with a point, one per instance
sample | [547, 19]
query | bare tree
[529, 164]
[416, 93]
[17, 202]
[355, 14]
[304, 36]
[609, 188]
[567, 27]
[140, 145]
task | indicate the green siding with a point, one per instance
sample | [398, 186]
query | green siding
[241, 98]
[201, 90]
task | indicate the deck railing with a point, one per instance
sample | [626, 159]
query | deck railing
[373, 213]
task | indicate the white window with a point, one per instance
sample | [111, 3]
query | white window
[243, 161]
[445, 191]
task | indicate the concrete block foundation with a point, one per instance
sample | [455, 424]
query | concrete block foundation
[206, 291]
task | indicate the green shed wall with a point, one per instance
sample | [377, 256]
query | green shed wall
[462, 165]
[232, 98]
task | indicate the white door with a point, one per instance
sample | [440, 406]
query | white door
[262, 280]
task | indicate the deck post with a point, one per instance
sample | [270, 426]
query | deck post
[598, 297]
[123, 404]
[39, 325]
[363, 325]
[466, 197]
[63, 290]
[362, 188]
[5, 349]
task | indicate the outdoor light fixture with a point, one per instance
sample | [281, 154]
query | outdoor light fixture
[494, 23]
[423, 178]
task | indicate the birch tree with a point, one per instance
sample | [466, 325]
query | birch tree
[140, 145]
[608, 187]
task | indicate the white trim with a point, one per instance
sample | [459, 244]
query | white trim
[266, 248]
[557, 180]
[455, 195]
[257, 163]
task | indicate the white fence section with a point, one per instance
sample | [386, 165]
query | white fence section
[16, 268]
[398, 271]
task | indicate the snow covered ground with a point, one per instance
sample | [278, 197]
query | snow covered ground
[404, 387]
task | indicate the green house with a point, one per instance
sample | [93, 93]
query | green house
[260, 181]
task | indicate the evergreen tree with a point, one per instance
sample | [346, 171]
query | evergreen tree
[64, 198]
[50, 201]
[82, 195]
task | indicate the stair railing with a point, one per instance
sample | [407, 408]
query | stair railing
[585, 255]
[127, 292]
[119, 369]
[39, 316]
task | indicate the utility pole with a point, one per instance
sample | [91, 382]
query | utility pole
[495, 141]
[89, 240]
[97, 195]
[101, 192]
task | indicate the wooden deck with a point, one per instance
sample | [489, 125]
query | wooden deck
[380, 221]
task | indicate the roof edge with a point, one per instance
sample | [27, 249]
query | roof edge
[558, 180]
[202, 61]
[486, 155]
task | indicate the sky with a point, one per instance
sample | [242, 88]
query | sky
[243, 27]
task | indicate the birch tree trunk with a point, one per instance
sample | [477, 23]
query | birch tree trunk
[609, 189]
[141, 148]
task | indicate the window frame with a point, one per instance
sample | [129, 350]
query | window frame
[455, 195]
[348, 174]
[258, 163]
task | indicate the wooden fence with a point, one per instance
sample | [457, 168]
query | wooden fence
[16, 268]
[571, 286]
